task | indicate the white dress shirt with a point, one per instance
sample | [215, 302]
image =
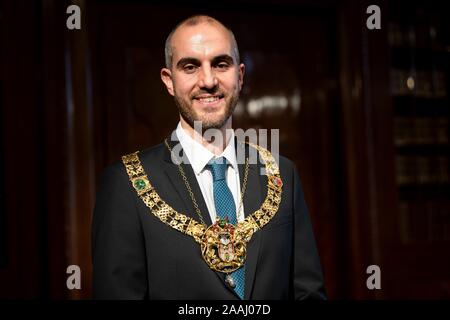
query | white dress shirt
[199, 157]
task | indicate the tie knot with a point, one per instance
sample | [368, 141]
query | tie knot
[218, 168]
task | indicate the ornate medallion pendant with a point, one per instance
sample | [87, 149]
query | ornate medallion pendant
[222, 249]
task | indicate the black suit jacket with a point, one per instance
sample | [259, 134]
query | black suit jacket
[136, 256]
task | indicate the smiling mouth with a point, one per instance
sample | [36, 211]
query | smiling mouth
[208, 100]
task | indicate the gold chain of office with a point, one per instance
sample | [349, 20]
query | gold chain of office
[191, 194]
[223, 245]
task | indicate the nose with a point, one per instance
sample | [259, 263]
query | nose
[207, 78]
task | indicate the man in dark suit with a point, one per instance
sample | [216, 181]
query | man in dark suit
[210, 227]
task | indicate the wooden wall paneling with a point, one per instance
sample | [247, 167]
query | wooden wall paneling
[81, 153]
[380, 149]
[358, 200]
[3, 213]
[69, 148]
[55, 113]
[24, 272]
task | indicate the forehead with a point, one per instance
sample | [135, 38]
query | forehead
[201, 41]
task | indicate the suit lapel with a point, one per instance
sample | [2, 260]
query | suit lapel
[178, 184]
[253, 199]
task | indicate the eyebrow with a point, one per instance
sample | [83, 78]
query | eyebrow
[221, 58]
[184, 61]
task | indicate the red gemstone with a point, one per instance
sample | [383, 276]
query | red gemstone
[278, 182]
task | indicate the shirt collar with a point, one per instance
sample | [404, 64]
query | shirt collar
[199, 156]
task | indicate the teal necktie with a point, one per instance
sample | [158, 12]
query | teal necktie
[225, 207]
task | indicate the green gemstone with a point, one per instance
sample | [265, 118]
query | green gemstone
[139, 184]
[222, 223]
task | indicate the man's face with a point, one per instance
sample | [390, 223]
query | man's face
[204, 79]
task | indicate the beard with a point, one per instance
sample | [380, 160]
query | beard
[189, 115]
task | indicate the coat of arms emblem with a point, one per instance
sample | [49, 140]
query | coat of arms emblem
[222, 250]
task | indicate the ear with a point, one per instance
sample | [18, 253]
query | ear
[166, 77]
[241, 75]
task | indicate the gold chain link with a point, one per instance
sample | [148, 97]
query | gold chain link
[244, 187]
[191, 194]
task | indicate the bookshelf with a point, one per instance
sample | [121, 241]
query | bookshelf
[419, 87]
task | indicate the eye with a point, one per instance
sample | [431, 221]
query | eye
[222, 66]
[189, 68]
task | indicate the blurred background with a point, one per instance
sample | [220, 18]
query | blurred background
[363, 113]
